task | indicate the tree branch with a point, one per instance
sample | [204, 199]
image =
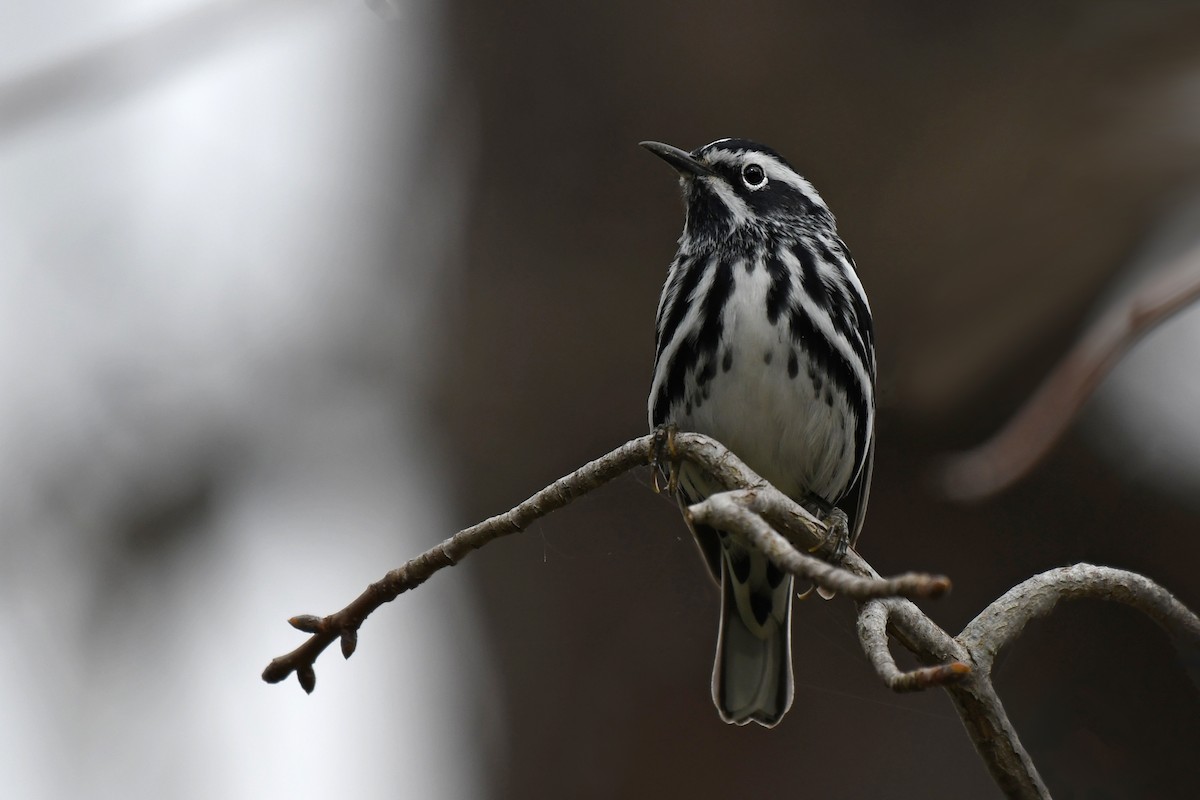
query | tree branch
[664, 445]
[1011, 453]
[968, 680]
[783, 529]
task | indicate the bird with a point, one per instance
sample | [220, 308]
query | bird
[765, 342]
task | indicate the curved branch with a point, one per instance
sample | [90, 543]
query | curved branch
[1010, 454]
[1004, 619]
[952, 667]
[872, 632]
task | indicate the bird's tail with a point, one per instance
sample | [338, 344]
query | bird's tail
[752, 678]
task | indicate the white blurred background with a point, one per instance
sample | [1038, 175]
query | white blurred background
[214, 287]
[1146, 416]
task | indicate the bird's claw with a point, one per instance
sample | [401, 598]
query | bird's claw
[666, 459]
[837, 525]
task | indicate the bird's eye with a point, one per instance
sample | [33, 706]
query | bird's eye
[754, 176]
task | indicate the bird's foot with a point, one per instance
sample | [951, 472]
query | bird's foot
[837, 536]
[666, 459]
[837, 525]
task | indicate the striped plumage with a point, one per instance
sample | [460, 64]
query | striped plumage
[764, 342]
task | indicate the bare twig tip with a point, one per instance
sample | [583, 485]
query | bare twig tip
[276, 671]
[308, 623]
[939, 586]
[927, 677]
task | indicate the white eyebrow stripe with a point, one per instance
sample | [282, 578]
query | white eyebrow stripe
[773, 167]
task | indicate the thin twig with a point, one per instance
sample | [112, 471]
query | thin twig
[729, 511]
[1011, 453]
[344, 624]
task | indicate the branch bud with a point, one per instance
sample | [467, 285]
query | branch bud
[349, 642]
[306, 622]
[307, 677]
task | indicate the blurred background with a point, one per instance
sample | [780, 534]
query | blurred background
[291, 290]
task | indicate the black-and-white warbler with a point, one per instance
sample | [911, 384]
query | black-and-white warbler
[764, 342]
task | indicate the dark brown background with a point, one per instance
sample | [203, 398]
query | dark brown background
[992, 167]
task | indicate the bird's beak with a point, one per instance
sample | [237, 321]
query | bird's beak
[679, 159]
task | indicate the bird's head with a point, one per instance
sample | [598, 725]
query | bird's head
[736, 188]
